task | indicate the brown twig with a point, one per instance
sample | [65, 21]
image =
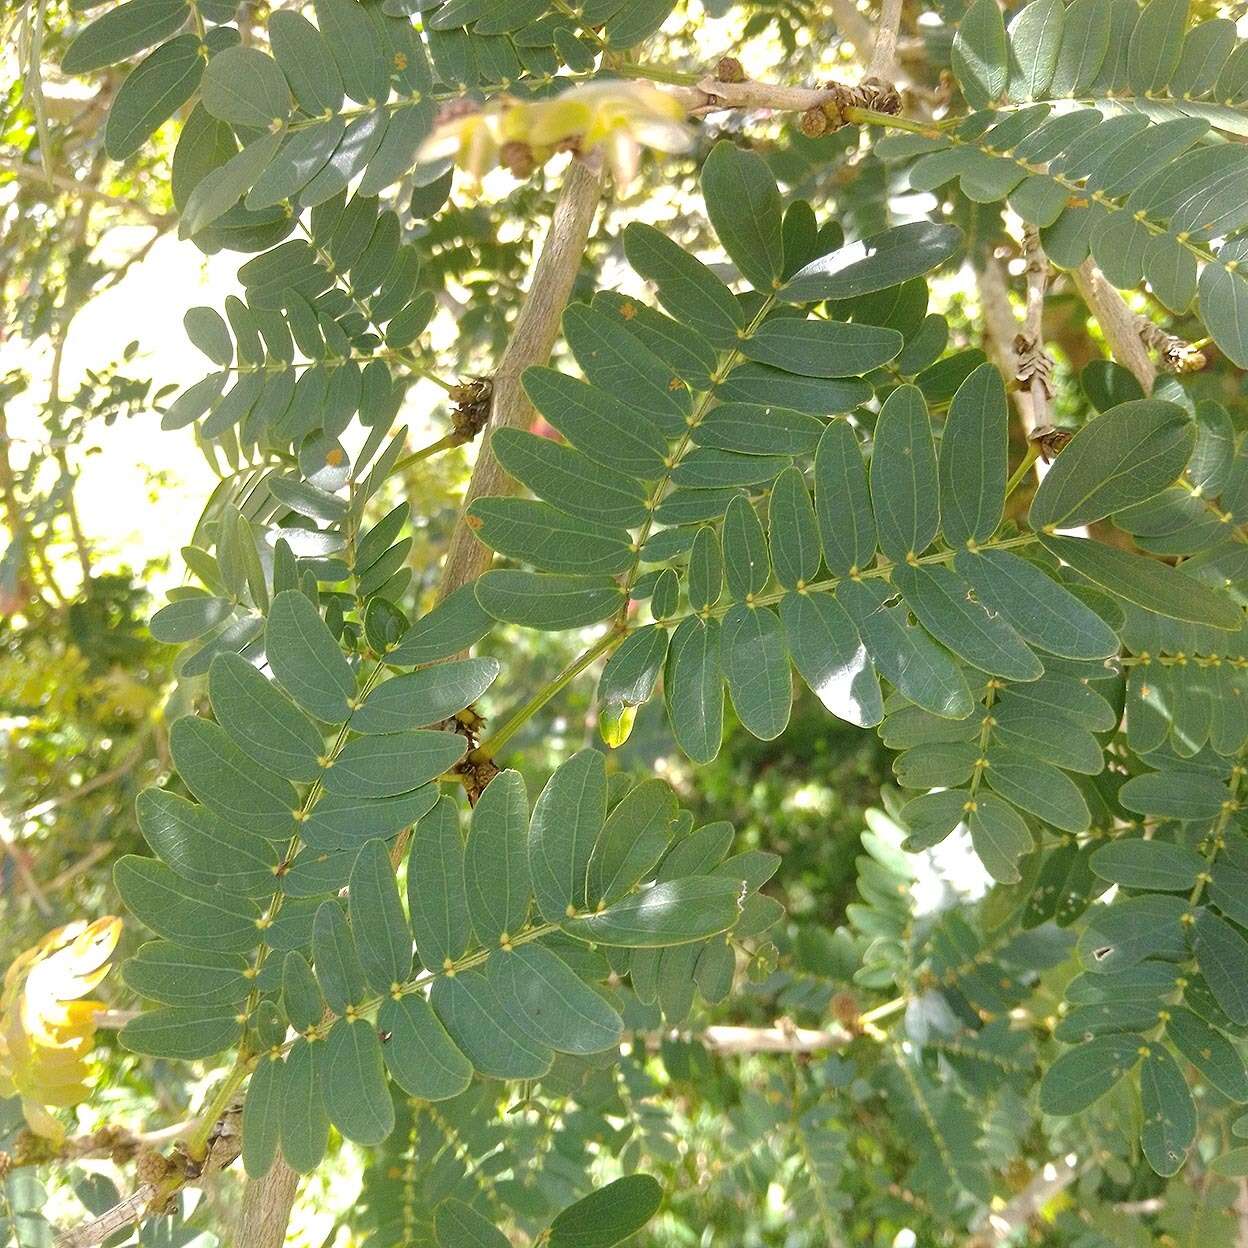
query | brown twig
[1033, 367]
[884, 53]
[61, 183]
[1117, 322]
[532, 339]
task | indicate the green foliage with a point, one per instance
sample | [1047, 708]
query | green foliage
[791, 461]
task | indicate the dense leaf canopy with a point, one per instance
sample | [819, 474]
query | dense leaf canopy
[506, 854]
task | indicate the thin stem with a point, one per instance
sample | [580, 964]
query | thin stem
[444, 443]
[1033, 453]
[491, 745]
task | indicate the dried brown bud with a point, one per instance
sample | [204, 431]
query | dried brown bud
[729, 69]
[150, 1167]
[518, 158]
[1050, 440]
[814, 122]
[472, 407]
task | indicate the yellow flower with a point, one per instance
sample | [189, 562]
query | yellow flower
[46, 1029]
[619, 117]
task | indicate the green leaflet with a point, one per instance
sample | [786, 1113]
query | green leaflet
[973, 459]
[473, 1018]
[549, 539]
[1210, 1052]
[1000, 837]
[904, 482]
[567, 819]
[339, 822]
[904, 654]
[598, 423]
[173, 975]
[457, 1225]
[457, 622]
[204, 850]
[123, 31]
[1169, 1127]
[1174, 795]
[221, 776]
[393, 762]
[687, 288]
[932, 817]
[188, 618]
[1148, 583]
[246, 88]
[183, 1032]
[301, 994]
[544, 997]
[195, 915]
[753, 429]
[496, 862]
[944, 606]
[608, 1215]
[1049, 738]
[1085, 40]
[747, 566]
[697, 853]
[160, 85]
[875, 263]
[1038, 788]
[436, 897]
[1148, 864]
[830, 657]
[424, 697]
[705, 468]
[264, 723]
[744, 207]
[757, 384]
[303, 155]
[262, 1120]
[675, 912]
[305, 1123]
[617, 362]
[1035, 40]
[421, 1058]
[546, 601]
[1122, 457]
[356, 47]
[980, 53]
[819, 348]
[794, 530]
[1152, 57]
[569, 480]
[633, 838]
[304, 57]
[693, 688]
[382, 937]
[842, 502]
[755, 663]
[628, 679]
[1048, 616]
[706, 569]
[1129, 931]
[338, 968]
[353, 1078]
[1222, 955]
[306, 659]
[1084, 1074]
